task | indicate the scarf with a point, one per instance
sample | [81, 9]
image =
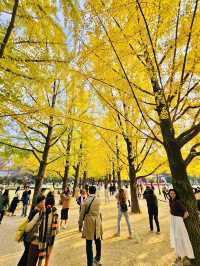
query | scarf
[47, 232]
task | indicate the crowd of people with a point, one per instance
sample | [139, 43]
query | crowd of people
[44, 221]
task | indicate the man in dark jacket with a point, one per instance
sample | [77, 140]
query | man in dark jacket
[25, 201]
[152, 205]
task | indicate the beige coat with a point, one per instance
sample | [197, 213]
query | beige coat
[92, 222]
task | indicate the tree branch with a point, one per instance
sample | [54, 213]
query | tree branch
[153, 171]
[188, 135]
[140, 165]
[60, 156]
[188, 42]
[21, 148]
[179, 115]
[193, 153]
[37, 131]
[126, 76]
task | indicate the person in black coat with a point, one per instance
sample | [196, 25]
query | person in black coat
[152, 205]
[25, 200]
[4, 202]
[14, 202]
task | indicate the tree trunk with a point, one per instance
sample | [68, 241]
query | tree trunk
[77, 168]
[76, 176]
[109, 178]
[67, 162]
[47, 146]
[132, 177]
[9, 29]
[182, 185]
[118, 163]
[43, 162]
[119, 178]
[178, 170]
[113, 173]
[135, 208]
[84, 178]
[158, 184]
[66, 175]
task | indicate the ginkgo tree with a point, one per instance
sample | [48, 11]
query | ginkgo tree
[34, 59]
[139, 47]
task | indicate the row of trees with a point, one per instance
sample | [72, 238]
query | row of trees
[103, 89]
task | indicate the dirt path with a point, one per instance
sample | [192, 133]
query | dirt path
[69, 250]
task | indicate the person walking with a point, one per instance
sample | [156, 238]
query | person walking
[165, 193]
[106, 193]
[65, 200]
[179, 237]
[4, 203]
[31, 251]
[14, 202]
[81, 199]
[1, 205]
[92, 228]
[25, 201]
[152, 205]
[122, 210]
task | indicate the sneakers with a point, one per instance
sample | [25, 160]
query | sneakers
[177, 262]
[186, 262]
[97, 262]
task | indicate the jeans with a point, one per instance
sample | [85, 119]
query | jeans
[24, 259]
[89, 251]
[153, 214]
[120, 213]
[24, 209]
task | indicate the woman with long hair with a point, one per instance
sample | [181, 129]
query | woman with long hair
[122, 210]
[178, 233]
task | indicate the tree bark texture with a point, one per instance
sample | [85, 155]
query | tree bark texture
[76, 176]
[47, 146]
[67, 162]
[132, 177]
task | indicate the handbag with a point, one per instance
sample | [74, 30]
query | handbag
[124, 207]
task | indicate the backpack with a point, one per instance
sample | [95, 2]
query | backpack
[19, 235]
